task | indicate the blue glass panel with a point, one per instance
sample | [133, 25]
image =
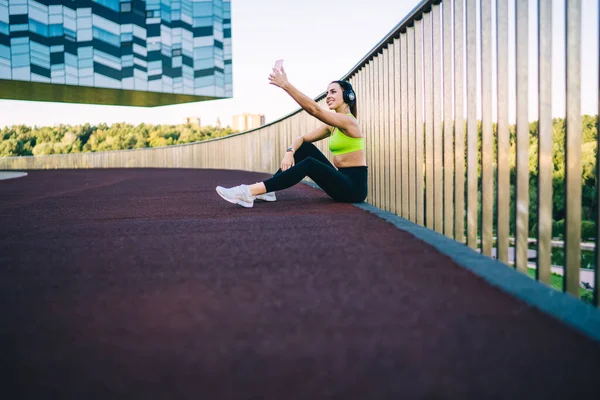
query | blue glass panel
[70, 59]
[112, 4]
[204, 64]
[18, 9]
[70, 33]
[19, 27]
[85, 52]
[204, 81]
[38, 27]
[40, 61]
[84, 23]
[39, 48]
[20, 60]
[127, 61]
[203, 52]
[152, 4]
[203, 21]
[18, 48]
[154, 65]
[56, 30]
[4, 28]
[107, 37]
[86, 62]
[165, 11]
[4, 72]
[5, 52]
[203, 9]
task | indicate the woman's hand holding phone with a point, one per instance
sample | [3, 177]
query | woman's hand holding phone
[278, 76]
[278, 65]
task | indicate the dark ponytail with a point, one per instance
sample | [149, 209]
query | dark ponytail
[347, 87]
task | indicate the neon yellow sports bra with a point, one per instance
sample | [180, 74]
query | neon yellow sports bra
[341, 144]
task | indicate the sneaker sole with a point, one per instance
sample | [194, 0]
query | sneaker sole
[238, 202]
[269, 200]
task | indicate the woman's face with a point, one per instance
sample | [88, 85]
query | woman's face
[335, 96]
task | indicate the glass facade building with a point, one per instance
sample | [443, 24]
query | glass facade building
[127, 52]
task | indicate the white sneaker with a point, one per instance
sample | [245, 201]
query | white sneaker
[237, 195]
[267, 197]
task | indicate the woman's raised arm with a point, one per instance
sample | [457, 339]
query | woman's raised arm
[344, 122]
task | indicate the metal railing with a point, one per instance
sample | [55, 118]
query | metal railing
[421, 93]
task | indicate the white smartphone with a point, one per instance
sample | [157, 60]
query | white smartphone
[278, 65]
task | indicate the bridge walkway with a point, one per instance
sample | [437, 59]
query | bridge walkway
[143, 283]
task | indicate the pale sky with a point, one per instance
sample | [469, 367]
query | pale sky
[320, 41]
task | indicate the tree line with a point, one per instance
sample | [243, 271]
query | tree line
[22, 140]
[589, 151]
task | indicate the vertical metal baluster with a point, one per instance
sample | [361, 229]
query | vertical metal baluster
[503, 133]
[472, 185]
[385, 129]
[372, 134]
[378, 123]
[544, 211]
[404, 129]
[437, 121]
[419, 118]
[573, 148]
[382, 123]
[359, 99]
[597, 269]
[459, 122]
[427, 52]
[398, 126]
[279, 143]
[275, 141]
[367, 127]
[372, 117]
[448, 161]
[380, 137]
[487, 140]
[354, 81]
[410, 35]
[374, 128]
[522, 90]
[290, 135]
[392, 126]
[285, 141]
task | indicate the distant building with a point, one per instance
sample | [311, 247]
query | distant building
[123, 52]
[244, 122]
[192, 121]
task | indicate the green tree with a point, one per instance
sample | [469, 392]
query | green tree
[9, 148]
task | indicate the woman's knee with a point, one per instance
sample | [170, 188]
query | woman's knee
[308, 162]
[306, 145]
[304, 151]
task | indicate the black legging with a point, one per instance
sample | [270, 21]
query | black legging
[347, 185]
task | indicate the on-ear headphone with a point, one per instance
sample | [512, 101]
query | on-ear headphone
[348, 94]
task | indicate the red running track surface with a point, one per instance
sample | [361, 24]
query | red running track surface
[144, 283]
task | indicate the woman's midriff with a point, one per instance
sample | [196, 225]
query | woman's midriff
[354, 159]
